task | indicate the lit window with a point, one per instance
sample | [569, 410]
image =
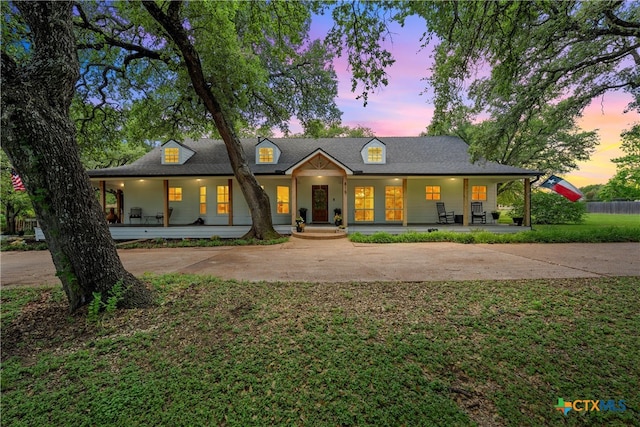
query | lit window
[374, 154]
[223, 199]
[479, 192]
[432, 192]
[175, 194]
[265, 155]
[203, 200]
[393, 203]
[171, 155]
[364, 204]
[282, 200]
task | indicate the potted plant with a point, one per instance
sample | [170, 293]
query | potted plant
[495, 215]
[337, 216]
[299, 224]
[303, 214]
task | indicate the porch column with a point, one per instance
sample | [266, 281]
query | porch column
[465, 202]
[119, 205]
[404, 202]
[294, 199]
[103, 196]
[230, 184]
[165, 203]
[344, 200]
[527, 202]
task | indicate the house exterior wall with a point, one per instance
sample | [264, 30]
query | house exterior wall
[148, 195]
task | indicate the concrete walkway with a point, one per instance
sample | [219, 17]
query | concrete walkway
[343, 261]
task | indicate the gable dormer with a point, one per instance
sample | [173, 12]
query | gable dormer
[267, 153]
[374, 152]
[174, 153]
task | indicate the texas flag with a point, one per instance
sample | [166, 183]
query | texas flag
[563, 188]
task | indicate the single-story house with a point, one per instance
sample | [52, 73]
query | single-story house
[375, 181]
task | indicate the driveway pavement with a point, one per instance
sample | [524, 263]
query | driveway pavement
[344, 261]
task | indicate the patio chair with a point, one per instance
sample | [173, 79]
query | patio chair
[478, 213]
[135, 213]
[443, 216]
[160, 215]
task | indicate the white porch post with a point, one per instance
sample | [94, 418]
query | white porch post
[465, 202]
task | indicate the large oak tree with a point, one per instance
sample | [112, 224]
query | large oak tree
[39, 72]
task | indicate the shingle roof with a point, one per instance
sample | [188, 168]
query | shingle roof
[439, 155]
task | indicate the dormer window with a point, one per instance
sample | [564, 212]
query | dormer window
[174, 153]
[171, 155]
[267, 152]
[374, 152]
[265, 155]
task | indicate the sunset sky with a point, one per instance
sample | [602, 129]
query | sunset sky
[399, 109]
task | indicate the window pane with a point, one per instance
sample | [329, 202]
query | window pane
[222, 198]
[175, 194]
[364, 203]
[171, 155]
[282, 205]
[393, 203]
[265, 155]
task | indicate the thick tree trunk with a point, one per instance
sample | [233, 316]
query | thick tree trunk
[39, 138]
[257, 199]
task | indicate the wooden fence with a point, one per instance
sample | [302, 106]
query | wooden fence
[614, 207]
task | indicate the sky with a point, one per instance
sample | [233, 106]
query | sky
[401, 108]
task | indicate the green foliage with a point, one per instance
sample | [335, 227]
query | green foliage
[381, 354]
[108, 305]
[625, 184]
[551, 208]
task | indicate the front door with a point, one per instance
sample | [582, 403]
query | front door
[320, 197]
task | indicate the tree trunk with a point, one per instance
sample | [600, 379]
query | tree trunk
[257, 199]
[39, 138]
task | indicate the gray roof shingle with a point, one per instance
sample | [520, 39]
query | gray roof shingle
[439, 155]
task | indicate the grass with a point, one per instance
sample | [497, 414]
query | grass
[229, 353]
[597, 228]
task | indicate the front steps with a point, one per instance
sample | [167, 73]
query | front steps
[312, 232]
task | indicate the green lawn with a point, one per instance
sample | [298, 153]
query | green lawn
[227, 353]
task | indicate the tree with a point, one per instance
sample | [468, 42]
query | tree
[319, 129]
[540, 54]
[39, 70]
[196, 64]
[625, 184]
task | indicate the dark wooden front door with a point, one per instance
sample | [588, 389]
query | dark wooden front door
[320, 197]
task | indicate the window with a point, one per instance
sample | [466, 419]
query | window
[282, 200]
[393, 203]
[171, 155]
[479, 192]
[374, 154]
[203, 200]
[364, 204]
[432, 192]
[223, 199]
[265, 155]
[175, 194]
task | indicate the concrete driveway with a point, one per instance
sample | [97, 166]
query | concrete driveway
[344, 261]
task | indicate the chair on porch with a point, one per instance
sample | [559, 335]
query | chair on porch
[160, 216]
[477, 212]
[135, 213]
[443, 216]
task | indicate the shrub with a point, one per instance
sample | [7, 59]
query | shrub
[551, 208]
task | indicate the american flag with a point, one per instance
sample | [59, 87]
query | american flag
[17, 181]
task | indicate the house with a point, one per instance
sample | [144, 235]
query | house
[375, 181]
